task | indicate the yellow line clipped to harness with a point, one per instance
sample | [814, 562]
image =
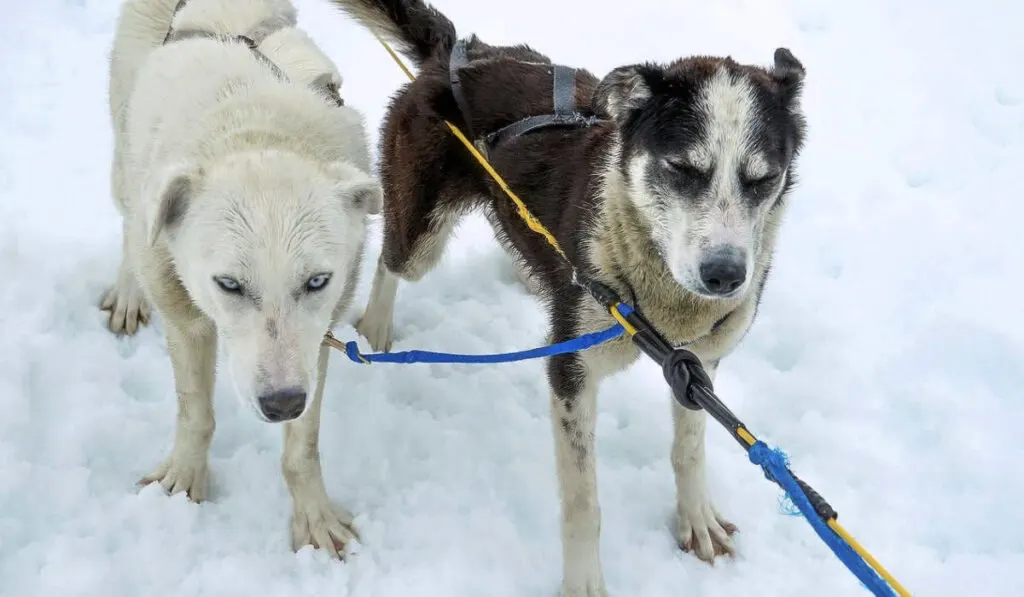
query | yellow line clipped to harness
[524, 213]
[538, 227]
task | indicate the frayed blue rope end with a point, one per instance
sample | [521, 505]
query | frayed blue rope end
[775, 464]
[759, 454]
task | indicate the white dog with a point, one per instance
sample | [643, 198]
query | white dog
[244, 184]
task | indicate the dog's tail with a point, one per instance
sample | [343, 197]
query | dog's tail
[142, 26]
[418, 30]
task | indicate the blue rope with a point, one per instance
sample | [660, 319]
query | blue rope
[776, 467]
[423, 356]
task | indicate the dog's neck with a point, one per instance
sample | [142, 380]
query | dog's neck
[623, 252]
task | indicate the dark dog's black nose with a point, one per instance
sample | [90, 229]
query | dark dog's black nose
[723, 270]
[283, 405]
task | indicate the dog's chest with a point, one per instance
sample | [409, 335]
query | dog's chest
[686, 320]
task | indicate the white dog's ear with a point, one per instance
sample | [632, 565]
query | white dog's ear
[356, 189]
[167, 201]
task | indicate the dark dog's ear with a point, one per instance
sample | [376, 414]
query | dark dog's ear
[624, 90]
[788, 73]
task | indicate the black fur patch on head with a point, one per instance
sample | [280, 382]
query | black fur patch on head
[661, 111]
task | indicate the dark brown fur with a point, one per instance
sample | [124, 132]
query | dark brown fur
[427, 172]
[575, 180]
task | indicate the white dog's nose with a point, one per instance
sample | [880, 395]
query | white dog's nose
[283, 405]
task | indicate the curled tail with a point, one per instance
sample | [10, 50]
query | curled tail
[418, 30]
[141, 28]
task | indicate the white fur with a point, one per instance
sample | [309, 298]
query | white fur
[687, 229]
[224, 169]
[377, 321]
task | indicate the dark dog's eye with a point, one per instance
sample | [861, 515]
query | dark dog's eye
[762, 183]
[228, 284]
[686, 169]
[317, 282]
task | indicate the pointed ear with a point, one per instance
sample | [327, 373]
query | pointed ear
[168, 199]
[788, 74]
[624, 90]
[357, 189]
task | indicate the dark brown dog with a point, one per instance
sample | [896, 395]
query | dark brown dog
[665, 182]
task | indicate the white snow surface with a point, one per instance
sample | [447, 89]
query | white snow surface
[887, 360]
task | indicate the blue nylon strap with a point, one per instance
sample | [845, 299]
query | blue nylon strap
[772, 461]
[424, 356]
[776, 468]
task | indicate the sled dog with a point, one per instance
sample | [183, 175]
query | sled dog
[243, 183]
[666, 182]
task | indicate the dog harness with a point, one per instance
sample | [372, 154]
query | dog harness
[322, 84]
[564, 112]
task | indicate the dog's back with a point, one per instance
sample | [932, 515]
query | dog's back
[501, 84]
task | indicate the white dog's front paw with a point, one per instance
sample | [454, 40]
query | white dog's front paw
[582, 577]
[177, 474]
[127, 305]
[323, 525]
[375, 325]
[701, 529]
[593, 588]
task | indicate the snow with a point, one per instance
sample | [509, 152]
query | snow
[887, 359]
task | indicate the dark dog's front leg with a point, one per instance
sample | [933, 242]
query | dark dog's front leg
[699, 527]
[573, 415]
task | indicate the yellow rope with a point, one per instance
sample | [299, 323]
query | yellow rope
[857, 547]
[746, 436]
[833, 524]
[524, 213]
[538, 227]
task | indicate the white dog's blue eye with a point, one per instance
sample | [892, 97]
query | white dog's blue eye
[317, 282]
[228, 284]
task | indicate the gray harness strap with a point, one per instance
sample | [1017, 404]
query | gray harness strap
[321, 84]
[564, 90]
[252, 44]
[458, 59]
[564, 103]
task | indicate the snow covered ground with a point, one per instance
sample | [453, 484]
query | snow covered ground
[888, 359]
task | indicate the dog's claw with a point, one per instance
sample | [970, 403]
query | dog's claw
[126, 304]
[191, 478]
[324, 526]
[713, 542]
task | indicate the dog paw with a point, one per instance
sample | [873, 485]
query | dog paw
[582, 576]
[376, 328]
[323, 525]
[181, 474]
[701, 530]
[127, 306]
